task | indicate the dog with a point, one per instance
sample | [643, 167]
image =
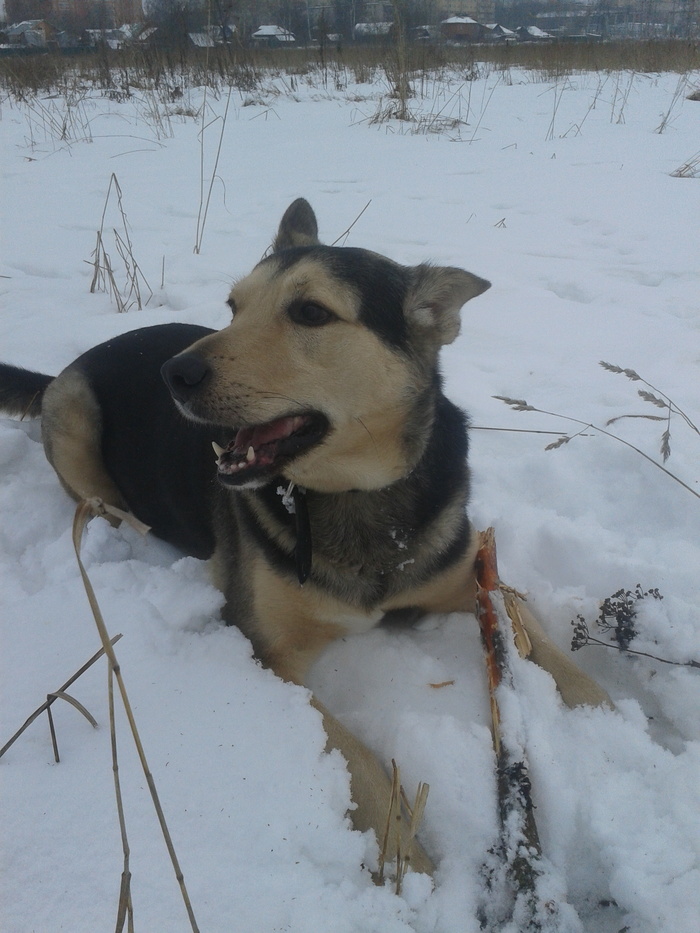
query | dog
[336, 497]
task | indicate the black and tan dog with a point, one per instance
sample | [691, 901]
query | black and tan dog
[341, 483]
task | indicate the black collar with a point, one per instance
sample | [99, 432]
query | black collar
[302, 551]
[294, 500]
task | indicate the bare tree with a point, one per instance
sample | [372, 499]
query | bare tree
[175, 19]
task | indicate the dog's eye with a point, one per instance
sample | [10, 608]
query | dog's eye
[232, 305]
[310, 315]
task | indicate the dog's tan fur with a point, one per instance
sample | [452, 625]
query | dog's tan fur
[71, 428]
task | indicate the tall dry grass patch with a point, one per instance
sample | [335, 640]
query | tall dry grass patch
[123, 72]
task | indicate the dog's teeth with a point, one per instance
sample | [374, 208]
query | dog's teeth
[218, 450]
[250, 456]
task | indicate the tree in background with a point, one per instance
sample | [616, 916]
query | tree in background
[18, 11]
[175, 19]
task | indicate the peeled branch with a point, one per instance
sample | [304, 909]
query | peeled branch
[524, 892]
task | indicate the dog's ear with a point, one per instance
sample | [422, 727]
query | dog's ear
[298, 227]
[435, 297]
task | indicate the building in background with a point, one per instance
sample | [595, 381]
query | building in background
[83, 13]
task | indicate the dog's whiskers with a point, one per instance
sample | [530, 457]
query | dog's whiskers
[369, 433]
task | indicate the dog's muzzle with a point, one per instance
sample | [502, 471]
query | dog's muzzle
[258, 451]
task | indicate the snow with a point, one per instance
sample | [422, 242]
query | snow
[561, 194]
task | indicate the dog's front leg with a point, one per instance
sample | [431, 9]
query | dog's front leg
[370, 786]
[371, 792]
[293, 625]
[575, 686]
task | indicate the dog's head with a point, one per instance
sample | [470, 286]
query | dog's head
[327, 374]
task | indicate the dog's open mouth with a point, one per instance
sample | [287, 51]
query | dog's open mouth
[259, 452]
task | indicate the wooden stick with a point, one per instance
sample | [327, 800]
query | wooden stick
[512, 774]
[519, 862]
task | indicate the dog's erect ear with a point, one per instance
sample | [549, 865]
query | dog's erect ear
[436, 296]
[298, 227]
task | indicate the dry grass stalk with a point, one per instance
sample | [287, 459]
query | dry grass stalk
[398, 804]
[656, 398]
[125, 908]
[621, 96]
[104, 278]
[484, 107]
[558, 93]
[344, 235]
[64, 124]
[59, 694]
[117, 73]
[74, 703]
[577, 127]
[678, 95]
[397, 68]
[486, 427]
[83, 513]
[205, 200]
[393, 816]
[689, 169]
[519, 404]
[416, 812]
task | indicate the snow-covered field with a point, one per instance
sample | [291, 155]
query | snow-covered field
[562, 195]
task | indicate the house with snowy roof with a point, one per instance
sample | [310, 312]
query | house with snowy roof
[461, 29]
[273, 36]
[497, 33]
[533, 34]
[30, 33]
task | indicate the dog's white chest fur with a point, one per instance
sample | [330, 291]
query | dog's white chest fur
[356, 623]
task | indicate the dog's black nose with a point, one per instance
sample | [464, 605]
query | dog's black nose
[183, 374]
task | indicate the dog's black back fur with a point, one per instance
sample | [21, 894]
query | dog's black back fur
[142, 429]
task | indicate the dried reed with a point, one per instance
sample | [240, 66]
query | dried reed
[104, 278]
[521, 405]
[83, 513]
[398, 805]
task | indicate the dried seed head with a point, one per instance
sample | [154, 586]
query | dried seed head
[654, 399]
[519, 404]
[630, 373]
[666, 445]
[581, 634]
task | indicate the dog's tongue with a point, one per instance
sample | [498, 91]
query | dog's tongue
[260, 446]
[261, 434]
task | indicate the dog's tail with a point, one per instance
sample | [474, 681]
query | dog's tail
[21, 391]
